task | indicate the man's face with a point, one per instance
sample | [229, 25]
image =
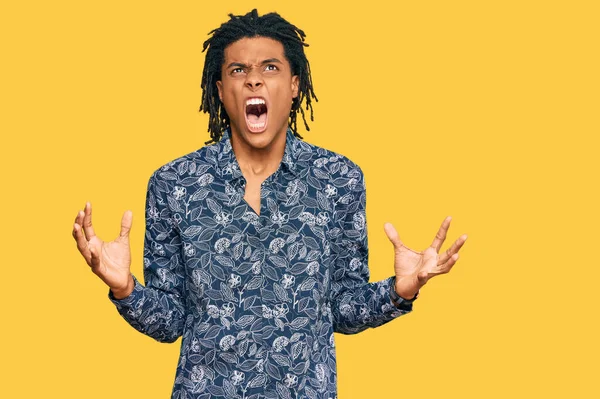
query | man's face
[257, 89]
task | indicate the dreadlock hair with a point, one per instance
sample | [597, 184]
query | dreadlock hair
[270, 25]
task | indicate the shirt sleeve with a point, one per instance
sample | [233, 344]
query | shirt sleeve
[157, 309]
[357, 304]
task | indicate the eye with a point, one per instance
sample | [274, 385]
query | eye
[275, 68]
[236, 70]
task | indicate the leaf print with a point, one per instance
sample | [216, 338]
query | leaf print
[286, 229]
[237, 250]
[281, 293]
[245, 321]
[258, 381]
[247, 252]
[192, 231]
[293, 199]
[292, 251]
[242, 268]
[229, 357]
[270, 272]
[227, 293]
[200, 194]
[195, 214]
[255, 242]
[272, 205]
[256, 298]
[188, 181]
[299, 322]
[308, 284]
[192, 168]
[174, 205]
[272, 370]
[168, 175]
[224, 260]
[201, 169]
[255, 283]
[295, 211]
[278, 261]
[323, 201]
[207, 222]
[312, 255]
[213, 205]
[297, 268]
[283, 391]
[311, 242]
[239, 211]
[280, 359]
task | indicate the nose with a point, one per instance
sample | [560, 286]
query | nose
[254, 80]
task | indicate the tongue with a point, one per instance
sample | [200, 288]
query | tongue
[257, 119]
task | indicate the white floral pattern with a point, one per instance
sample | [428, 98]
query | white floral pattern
[257, 298]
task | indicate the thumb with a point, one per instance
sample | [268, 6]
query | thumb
[126, 223]
[422, 278]
[393, 235]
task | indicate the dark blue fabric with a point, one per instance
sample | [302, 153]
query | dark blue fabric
[257, 298]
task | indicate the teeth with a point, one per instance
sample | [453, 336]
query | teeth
[256, 125]
[252, 101]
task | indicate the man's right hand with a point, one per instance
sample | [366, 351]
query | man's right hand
[108, 260]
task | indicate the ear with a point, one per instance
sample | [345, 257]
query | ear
[295, 84]
[220, 89]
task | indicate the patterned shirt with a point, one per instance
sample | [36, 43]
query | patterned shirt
[257, 297]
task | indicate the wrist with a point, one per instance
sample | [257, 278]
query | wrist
[406, 295]
[122, 293]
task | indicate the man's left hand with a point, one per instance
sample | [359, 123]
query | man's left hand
[413, 269]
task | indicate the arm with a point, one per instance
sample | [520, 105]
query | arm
[357, 304]
[157, 309]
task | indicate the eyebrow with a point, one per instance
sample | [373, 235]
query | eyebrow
[267, 61]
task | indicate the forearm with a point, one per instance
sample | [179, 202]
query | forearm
[368, 305]
[153, 312]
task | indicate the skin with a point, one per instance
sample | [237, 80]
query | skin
[245, 73]
[259, 155]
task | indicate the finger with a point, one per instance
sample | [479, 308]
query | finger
[82, 243]
[87, 221]
[126, 222]
[422, 278]
[448, 265]
[456, 246]
[440, 236]
[392, 234]
[95, 258]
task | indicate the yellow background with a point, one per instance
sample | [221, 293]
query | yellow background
[486, 111]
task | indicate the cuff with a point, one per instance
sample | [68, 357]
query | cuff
[132, 298]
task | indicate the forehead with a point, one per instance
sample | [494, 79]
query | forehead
[254, 50]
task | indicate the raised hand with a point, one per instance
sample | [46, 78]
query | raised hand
[413, 269]
[108, 260]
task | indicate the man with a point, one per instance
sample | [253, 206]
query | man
[256, 244]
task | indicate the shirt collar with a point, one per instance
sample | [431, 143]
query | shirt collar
[228, 168]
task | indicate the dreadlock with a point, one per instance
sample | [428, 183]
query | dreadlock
[270, 25]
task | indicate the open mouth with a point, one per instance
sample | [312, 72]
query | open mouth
[256, 114]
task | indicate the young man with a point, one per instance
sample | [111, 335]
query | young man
[256, 244]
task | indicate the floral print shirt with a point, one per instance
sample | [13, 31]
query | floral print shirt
[256, 298]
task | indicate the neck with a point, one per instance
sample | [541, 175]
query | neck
[258, 161]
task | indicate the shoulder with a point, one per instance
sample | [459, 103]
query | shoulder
[187, 167]
[325, 163]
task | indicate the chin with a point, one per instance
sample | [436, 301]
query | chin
[259, 138]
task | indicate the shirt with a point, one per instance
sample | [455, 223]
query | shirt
[257, 297]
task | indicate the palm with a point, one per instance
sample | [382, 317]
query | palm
[408, 262]
[108, 260]
[115, 259]
[413, 269]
